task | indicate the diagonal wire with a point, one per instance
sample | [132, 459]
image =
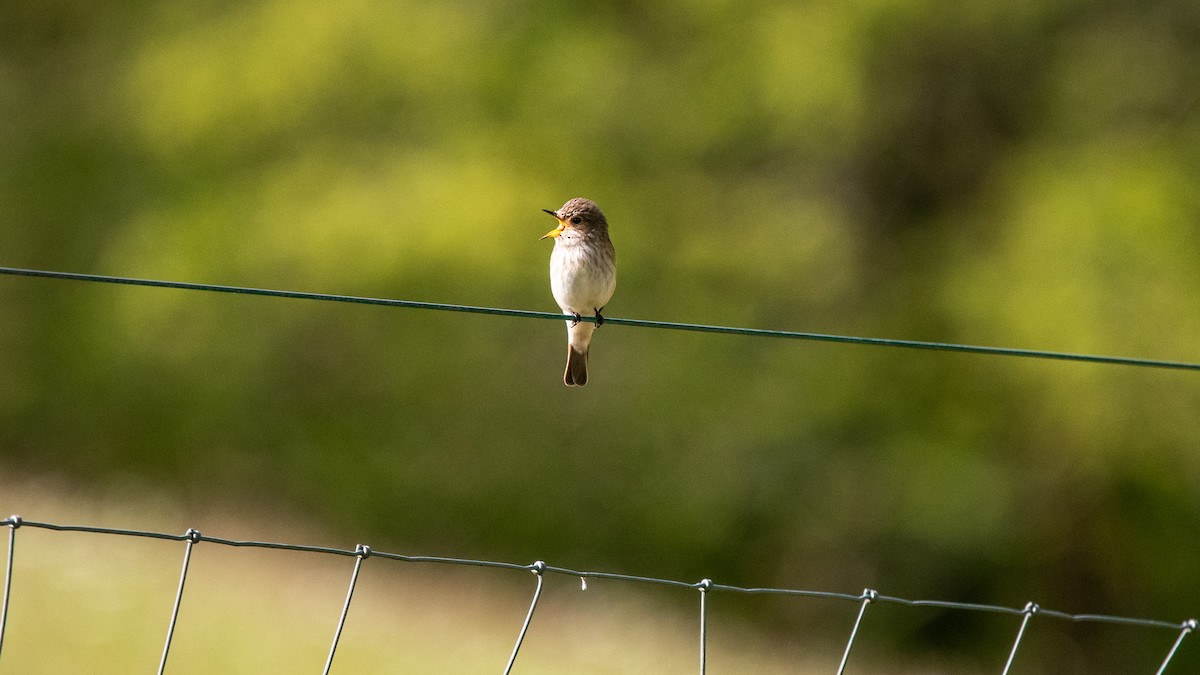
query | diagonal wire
[1188, 627]
[362, 552]
[704, 586]
[539, 569]
[868, 596]
[13, 523]
[192, 537]
[639, 323]
[1030, 609]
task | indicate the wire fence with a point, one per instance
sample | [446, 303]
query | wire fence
[540, 569]
[704, 587]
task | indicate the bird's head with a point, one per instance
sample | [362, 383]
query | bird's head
[578, 213]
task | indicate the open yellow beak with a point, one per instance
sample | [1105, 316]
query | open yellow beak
[556, 231]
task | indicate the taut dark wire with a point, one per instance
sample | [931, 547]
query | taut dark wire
[638, 323]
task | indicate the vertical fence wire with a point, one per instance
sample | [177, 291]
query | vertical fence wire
[193, 536]
[1187, 627]
[538, 568]
[361, 552]
[13, 523]
[704, 587]
[868, 596]
[1030, 609]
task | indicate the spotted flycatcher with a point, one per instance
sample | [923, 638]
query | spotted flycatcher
[583, 276]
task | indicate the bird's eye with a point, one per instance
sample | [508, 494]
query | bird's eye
[576, 220]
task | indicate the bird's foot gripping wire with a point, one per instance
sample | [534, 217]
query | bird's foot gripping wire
[599, 318]
[577, 319]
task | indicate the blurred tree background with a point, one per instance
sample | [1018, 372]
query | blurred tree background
[1016, 174]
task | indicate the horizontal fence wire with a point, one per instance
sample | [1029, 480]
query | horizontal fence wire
[539, 568]
[637, 323]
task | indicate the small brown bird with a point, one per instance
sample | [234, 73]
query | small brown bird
[583, 276]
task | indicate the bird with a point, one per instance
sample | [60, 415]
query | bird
[583, 277]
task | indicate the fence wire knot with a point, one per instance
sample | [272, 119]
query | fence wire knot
[1031, 608]
[14, 521]
[869, 595]
[705, 585]
[538, 567]
[192, 535]
[363, 551]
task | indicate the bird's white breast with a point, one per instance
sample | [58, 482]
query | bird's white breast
[581, 278]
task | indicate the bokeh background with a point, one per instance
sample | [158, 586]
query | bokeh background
[1019, 174]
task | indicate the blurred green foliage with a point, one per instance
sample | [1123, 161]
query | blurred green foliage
[1018, 174]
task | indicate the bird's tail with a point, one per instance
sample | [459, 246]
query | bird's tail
[579, 336]
[576, 373]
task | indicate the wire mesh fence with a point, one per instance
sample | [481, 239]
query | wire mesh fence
[704, 587]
